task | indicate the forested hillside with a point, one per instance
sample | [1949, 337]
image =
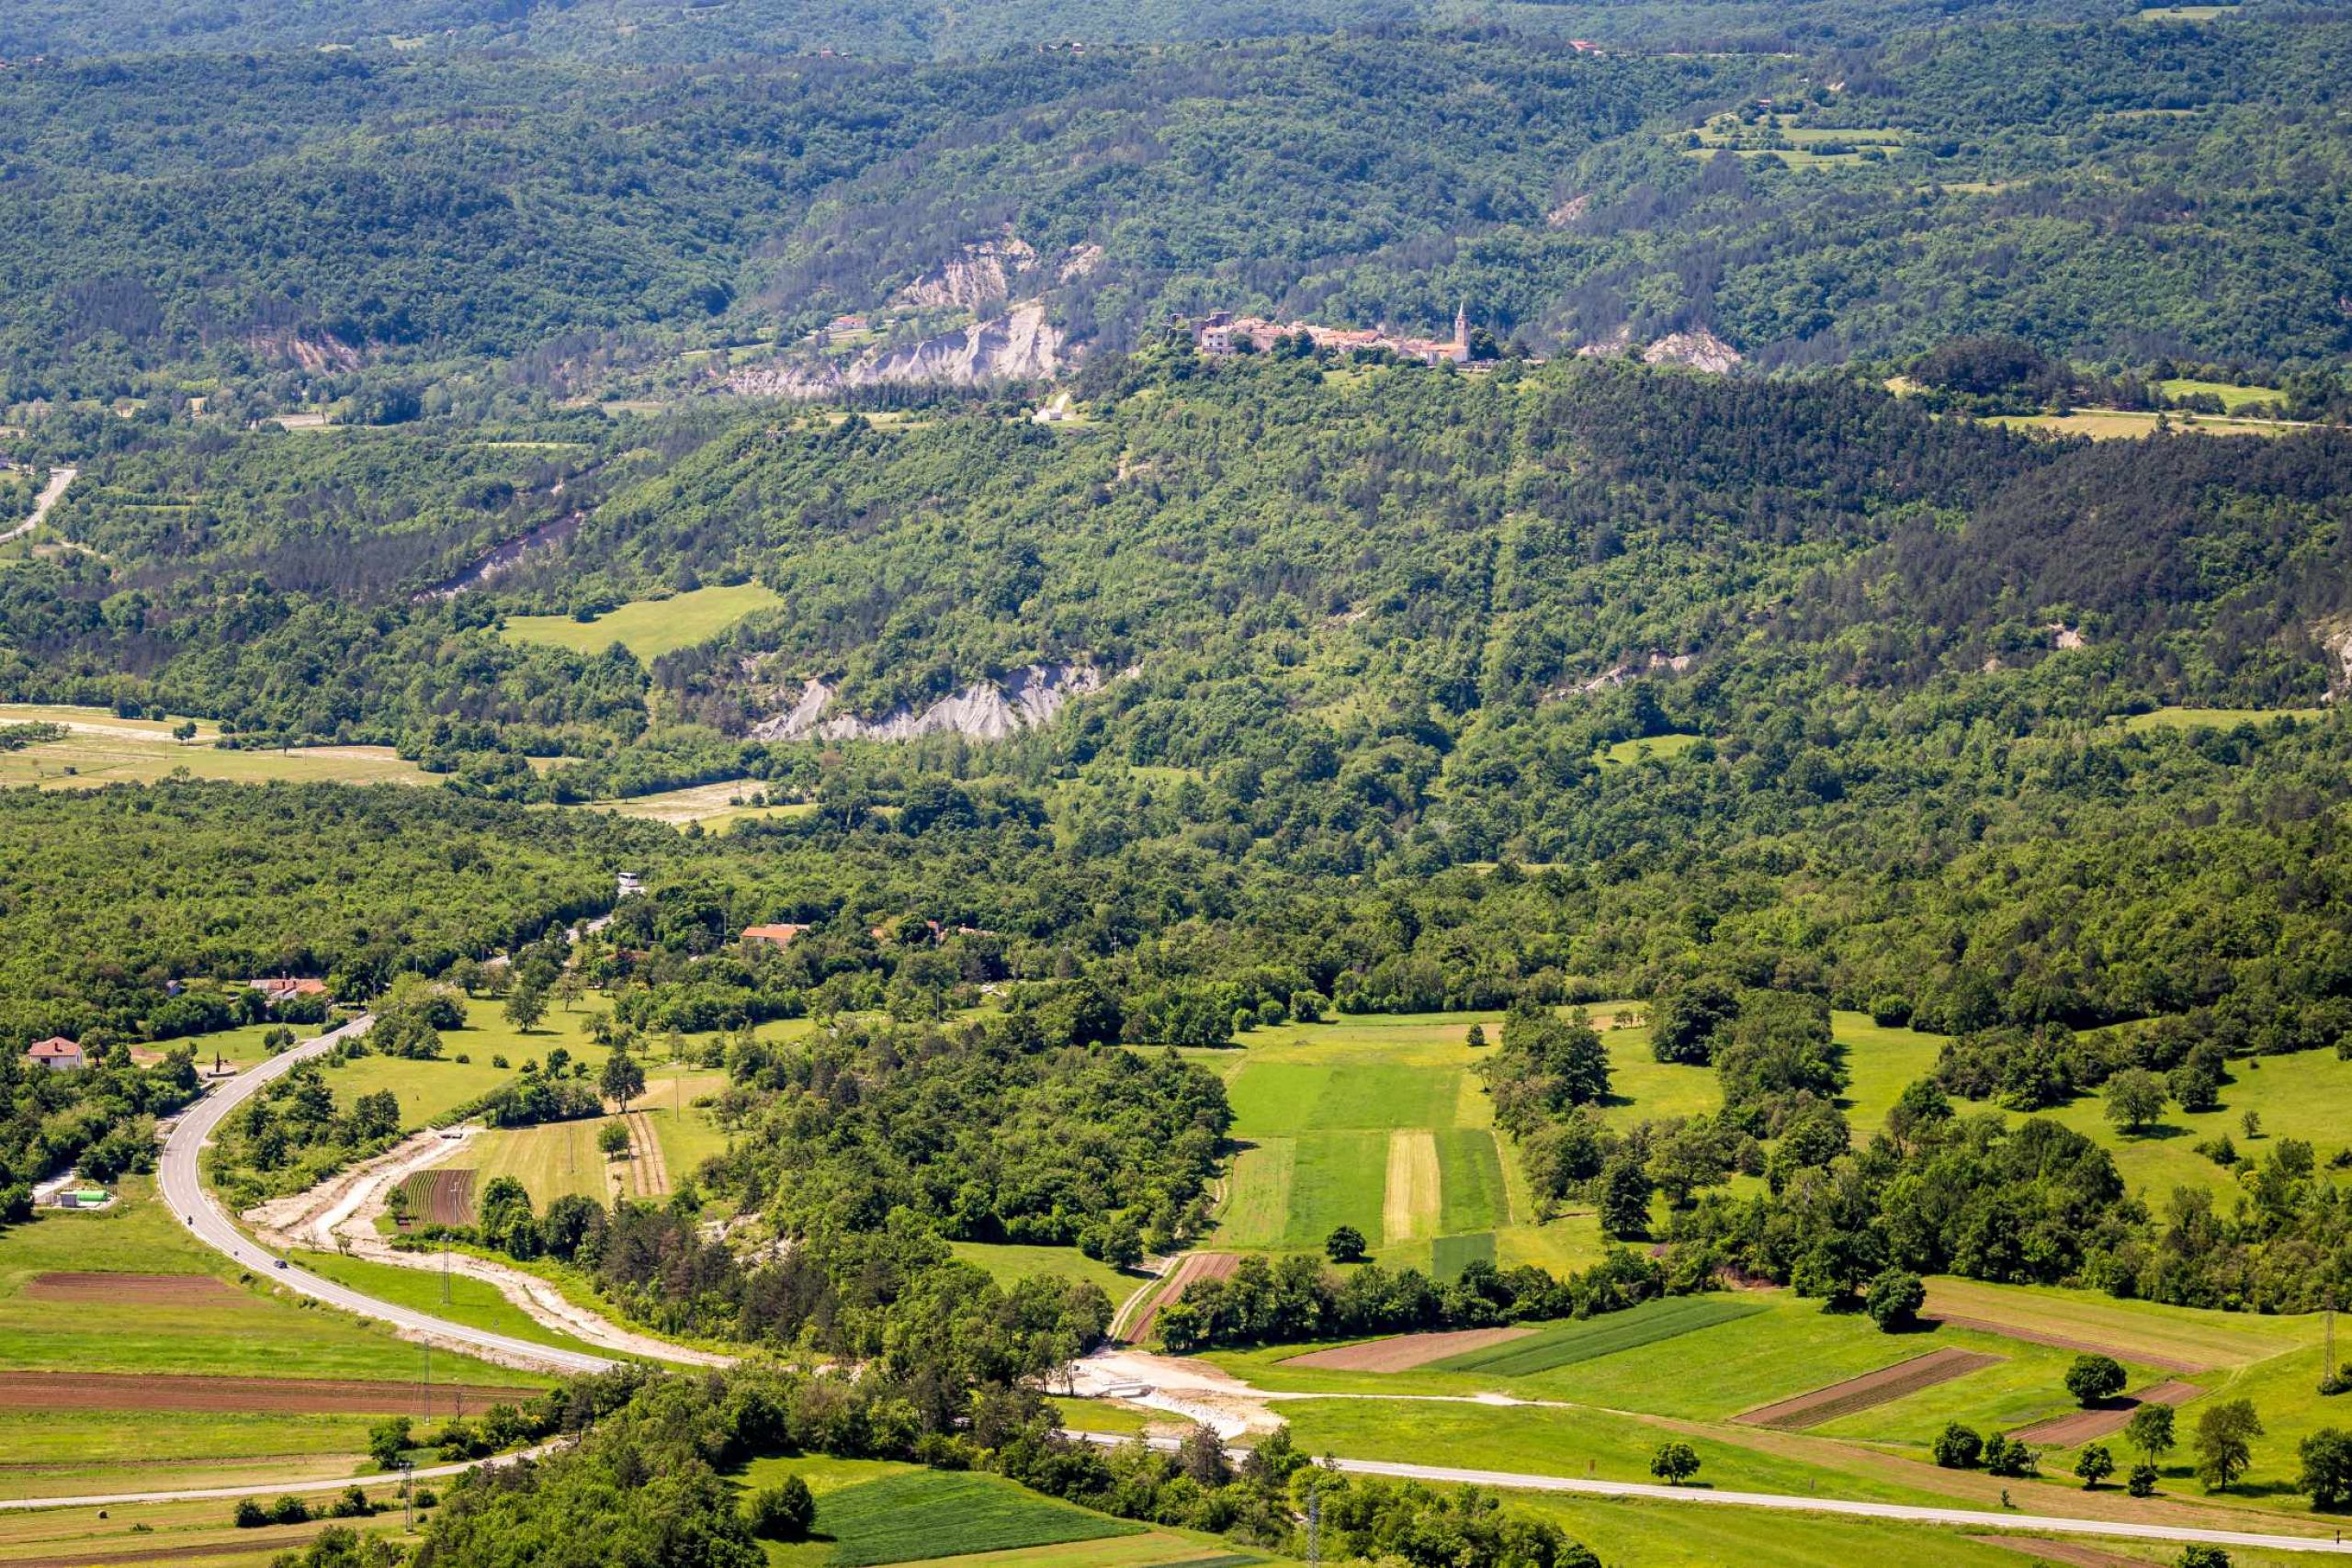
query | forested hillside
[372, 226]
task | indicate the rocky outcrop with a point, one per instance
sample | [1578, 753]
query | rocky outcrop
[985, 710]
[1618, 675]
[1020, 345]
[1568, 211]
[977, 281]
[1699, 348]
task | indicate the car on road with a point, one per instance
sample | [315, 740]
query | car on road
[279, 1263]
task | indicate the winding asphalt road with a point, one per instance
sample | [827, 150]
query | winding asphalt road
[58, 480]
[183, 1190]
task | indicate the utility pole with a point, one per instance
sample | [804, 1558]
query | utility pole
[445, 1267]
[1315, 1529]
[407, 1492]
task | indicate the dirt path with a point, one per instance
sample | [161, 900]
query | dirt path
[646, 1164]
[1190, 1267]
[308, 1220]
[340, 1214]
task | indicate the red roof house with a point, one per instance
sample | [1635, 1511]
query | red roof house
[776, 935]
[57, 1053]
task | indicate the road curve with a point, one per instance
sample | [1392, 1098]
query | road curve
[183, 1190]
[58, 480]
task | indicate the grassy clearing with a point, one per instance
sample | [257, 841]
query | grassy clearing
[473, 1303]
[687, 1132]
[1104, 1415]
[67, 1453]
[869, 1512]
[1338, 1179]
[1470, 1178]
[1008, 1265]
[126, 753]
[557, 1159]
[926, 1514]
[2213, 718]
[1449, 1254]
[1572, 1342]
[2182, 1333]
[649, 627]
[1258, 1190]
[2233, 397]
[2115, 424]
[2307, 1094]
[1882, 1062]
[1653, 748]
[253, 1332]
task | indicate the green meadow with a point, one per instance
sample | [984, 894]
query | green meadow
[649, 627]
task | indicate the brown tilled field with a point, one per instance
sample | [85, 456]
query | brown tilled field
[166, 1289]
[2069, 1342]
[279, 1396]
[2084, 1426]
[441, 1197]
[1196, 1266]
[1403, 1353]
[1881, 1387]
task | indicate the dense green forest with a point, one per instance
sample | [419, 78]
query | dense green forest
[393, 231]
[639, 30]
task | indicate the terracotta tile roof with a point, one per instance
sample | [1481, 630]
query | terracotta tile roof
[781, 935]
[54, 1046]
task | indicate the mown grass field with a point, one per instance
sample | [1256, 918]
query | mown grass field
[2233, 397]
[557, 1159]
[473, 1303]
[430, 1091]
[649, 627]
[1372, 1122]
[1653, 748]
[1568, 1343]
[143, 750]
[1009, 1264]
[871, 1512]
[185, 1532]
[243, 1330]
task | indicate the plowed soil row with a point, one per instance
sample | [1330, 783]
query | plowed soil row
[2067, 1342]
[2082, 1425]
[442, 1197]
[1881, 1387]
[1196, 1266]
[646, 1164]
[284, 1396]
[1402, 1352]
[169, 1289]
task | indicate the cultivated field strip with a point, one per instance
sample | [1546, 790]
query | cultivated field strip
[278, 1396]
[1588, 1340]
[1196, 1266]
[1882, 1387]
[2080, 1426]
[1403, 1353]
